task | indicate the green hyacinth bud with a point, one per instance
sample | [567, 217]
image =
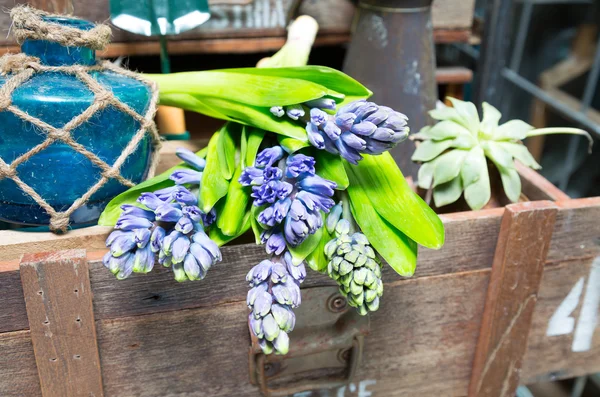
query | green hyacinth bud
[354, 266]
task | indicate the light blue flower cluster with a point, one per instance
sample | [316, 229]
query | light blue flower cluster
[170, 229]
[360, 127]
[275, 292]
[291, 197]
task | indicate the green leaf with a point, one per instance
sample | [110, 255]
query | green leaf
[511, 181]
[249, 86]
[445, 113]
[255, 138]
[394, 200]
[317, 259]
[428, 150]
[113, 210]
[291, 145]
[447, 193]
[521, 153]
[399, 251]
[226, 148]
[214, 185]
[563, 130]
[303, 250]
[322, 75]
[476, 179]
[447, 166]
[464, 142]
[425, 176]
[221, 239]
[231, 217]
[512, 130]
[467, 112]
[491, 118]
[331, 167]
[446, 129]
[498, 154]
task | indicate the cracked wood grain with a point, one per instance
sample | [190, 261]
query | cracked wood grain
[58, 299]
[523, 243]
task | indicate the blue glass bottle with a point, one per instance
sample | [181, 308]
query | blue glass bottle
[59, 174]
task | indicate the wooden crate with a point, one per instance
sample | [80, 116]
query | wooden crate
[511, 297]
[244, 26]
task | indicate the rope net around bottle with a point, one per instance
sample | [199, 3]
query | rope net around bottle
[20, 68]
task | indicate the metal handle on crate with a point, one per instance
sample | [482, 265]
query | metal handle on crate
[354, 358]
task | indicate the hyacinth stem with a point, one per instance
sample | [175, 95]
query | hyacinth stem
[347, 212]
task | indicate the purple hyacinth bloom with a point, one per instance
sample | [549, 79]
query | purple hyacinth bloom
[184, 196]
[252, 176]
[210, 246]
[202, 256]
[191, 158]
[277, 111]
[150, 200]
[322, 103]
[294, 112]
[298, 272]
[192, 212]
[180, 248]
[210, 218]
[184, 176]
[318, 117]
[314, 136]
[184, 225]
[357, 128]
[132, 210]
[266, 217]
[317, 185]
[156, 240]
[299, 165]
[260, 272]
[168, 213]
[143, 261]
[142, 237]
[122, 244]
[312, 201]
[280, 209]
[271, 191]
[269, 156]
[122, 266]
[272, 174]
[192, 268]
[130, 222]
[275, 244]
[167, 193]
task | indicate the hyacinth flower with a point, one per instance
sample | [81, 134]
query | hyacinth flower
[353, 264]
[289, 194]
[360, 127]
[169, 229]
[275, 291]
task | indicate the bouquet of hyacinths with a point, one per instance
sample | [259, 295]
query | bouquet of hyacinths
[303, 163]
[454, 153]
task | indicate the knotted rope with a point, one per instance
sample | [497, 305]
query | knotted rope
[29, 23]
[20, 68]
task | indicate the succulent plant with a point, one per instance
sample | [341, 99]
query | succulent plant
[454, 153]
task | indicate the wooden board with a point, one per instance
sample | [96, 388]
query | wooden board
[58, 297]
[18, 372]
[511, 297]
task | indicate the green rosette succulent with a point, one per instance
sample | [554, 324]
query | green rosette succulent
[454, 153]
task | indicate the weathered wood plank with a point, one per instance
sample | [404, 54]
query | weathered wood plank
[564, 341]
[470, 244]
[58, 297]
[12, 312]
[18, 372]
[511, 296]
[410, 351]
[536, 187]
[577, 230]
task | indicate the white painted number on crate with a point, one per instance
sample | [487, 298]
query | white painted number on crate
[359, 389]
[562, 323]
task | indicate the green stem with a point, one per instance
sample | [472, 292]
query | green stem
[562, 130]
[347, 212]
